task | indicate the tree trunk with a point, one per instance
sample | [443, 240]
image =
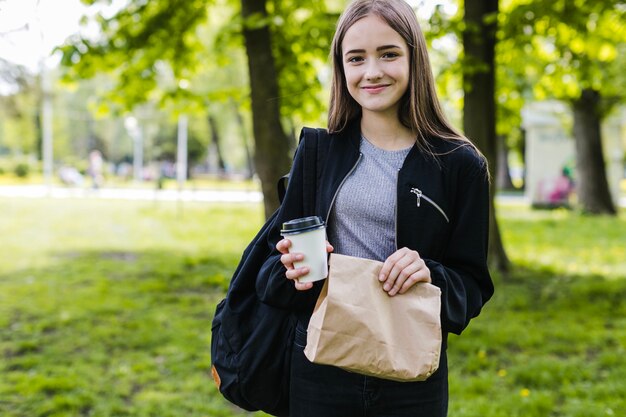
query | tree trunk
[215, 141]
[39, 133]
[503, 179]
[271, 144]
[244, 139]
[594, 195]
[479, 109]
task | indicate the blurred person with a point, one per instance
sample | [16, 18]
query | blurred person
[95, 168]
[563, 188]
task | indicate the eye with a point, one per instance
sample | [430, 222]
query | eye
[354, 59]
[390, 55]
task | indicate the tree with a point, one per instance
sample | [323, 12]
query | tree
[479, 109]
[475, 24]
[145, 38]
[18, 118]
[574, 51]
[268, 131]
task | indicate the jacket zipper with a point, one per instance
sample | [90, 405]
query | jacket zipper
[395, 214]
[420, 195]
[332, 202]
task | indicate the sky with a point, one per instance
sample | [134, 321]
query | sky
[31, 29]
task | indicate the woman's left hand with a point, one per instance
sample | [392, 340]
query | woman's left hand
[403, 269]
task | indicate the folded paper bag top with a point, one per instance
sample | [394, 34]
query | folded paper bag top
[356, 326]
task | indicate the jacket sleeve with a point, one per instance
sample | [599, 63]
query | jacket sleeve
[272, 285]
[462, 274]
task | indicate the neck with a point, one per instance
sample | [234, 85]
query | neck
[386, 131]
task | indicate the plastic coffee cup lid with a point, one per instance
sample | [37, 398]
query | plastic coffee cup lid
[302, 225]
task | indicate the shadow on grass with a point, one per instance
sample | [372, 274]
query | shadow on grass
[544, 288]
[111, 333]
[546, 344]
[114, 333]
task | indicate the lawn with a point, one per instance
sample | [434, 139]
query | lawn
[105, 310]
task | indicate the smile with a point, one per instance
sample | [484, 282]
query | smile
[375, 88]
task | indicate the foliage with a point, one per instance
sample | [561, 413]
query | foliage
[14, 75]
[444, 29]
[574, 51]
[558, 49]
[137, 42]
[105, 309]
[546, 50]
[301, 40]
[192, 58]
[18, 117]
[22, 170]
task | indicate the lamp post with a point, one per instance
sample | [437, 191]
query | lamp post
[181, 152]
[134, 131]
[181, 145]
[46, 125]
[47, 150]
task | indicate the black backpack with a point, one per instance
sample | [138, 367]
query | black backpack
[251, 341]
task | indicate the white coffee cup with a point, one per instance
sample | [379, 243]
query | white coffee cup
[308, 236]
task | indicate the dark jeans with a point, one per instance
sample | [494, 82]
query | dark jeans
[328, 391]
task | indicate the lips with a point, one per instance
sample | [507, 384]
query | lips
[375, 88]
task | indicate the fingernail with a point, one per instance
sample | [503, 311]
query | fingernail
[381, 277]
[386, 287]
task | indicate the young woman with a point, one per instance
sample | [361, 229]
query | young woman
[398, 185]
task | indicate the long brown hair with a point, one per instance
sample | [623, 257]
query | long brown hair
[419, 109]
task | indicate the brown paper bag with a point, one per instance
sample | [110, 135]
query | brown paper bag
[358, 327]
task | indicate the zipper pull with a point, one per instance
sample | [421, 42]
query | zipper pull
[418, 194]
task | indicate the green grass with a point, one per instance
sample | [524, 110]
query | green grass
[105, 310]
[552, 341]
[106, 307]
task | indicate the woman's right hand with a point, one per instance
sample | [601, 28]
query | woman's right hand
[288, 260]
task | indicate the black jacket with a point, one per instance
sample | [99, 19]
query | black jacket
[442, 213]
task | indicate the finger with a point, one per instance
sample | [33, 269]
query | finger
[303, 286]
[296, 273]
[388, 265]
[288, 259]
[283, 245]
[416, 272]
[406, 259]
[329, 247]
[401, 277]
[423, 275]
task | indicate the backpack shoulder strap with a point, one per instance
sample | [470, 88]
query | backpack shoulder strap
[309, 181]
[315, 150]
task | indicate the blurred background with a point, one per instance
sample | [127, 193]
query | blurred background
[141, 141]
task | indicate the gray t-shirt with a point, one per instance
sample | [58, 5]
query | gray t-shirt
[362, 221]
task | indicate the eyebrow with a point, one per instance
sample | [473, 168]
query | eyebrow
[380, 48]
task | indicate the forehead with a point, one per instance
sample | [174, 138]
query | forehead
[369, 33]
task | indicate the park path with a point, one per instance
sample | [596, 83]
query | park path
[42, 191]
[197, 195]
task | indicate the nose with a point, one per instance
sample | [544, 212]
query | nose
[373, 70]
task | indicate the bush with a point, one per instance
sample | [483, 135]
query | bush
[21, 170]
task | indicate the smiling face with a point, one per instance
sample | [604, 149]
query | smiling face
[376, 65]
